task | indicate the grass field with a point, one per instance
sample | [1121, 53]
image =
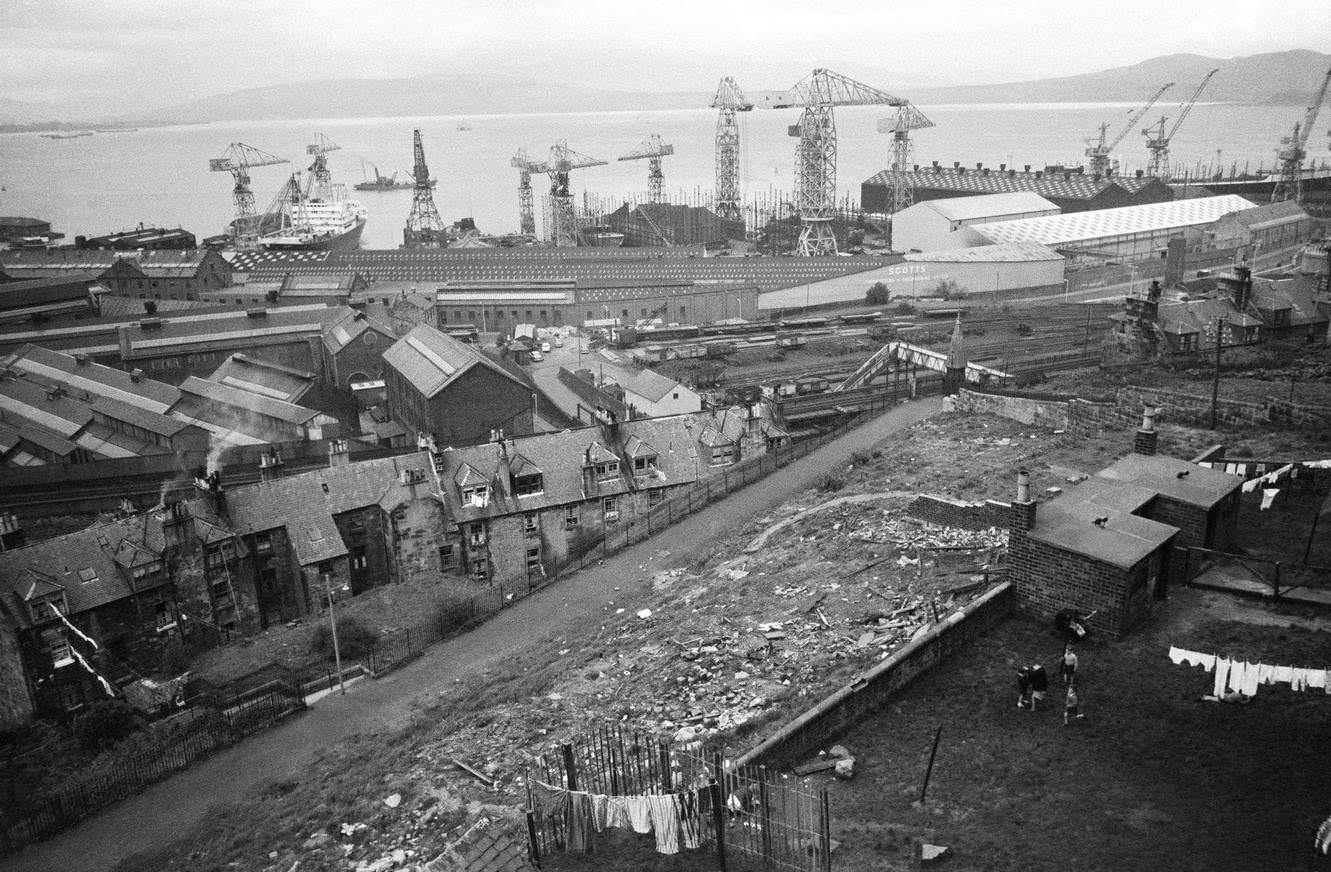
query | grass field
[1152, 778]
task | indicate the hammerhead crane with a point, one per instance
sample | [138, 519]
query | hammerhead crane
[906, 119]
[237, 160]
[561, 161]
[1157, 140]
[729, 99]
[1098, 150]
[652, 149]
[1294, 149]
[319, 169]
[815, 156]
[526, 204]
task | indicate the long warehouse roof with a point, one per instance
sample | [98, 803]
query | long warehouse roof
[1101, 223]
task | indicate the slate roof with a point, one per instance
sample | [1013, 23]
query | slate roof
[1056, 230]
[591, 396]
[153, 422]
[206, 393]
[54, 289]
[349, 326]
[1177, 479]
[264, 378]
[30, 402]
[1200, 316]
[304, 504]
[648, 384]
[146, 393]
[1299, 295]
[430, 360]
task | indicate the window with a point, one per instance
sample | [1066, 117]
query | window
[478, 569]
[644, 465]
[165, 617]
[530, 523]
[681, 313]
[45, 610]
[359, 559]
[476, 533]
[625, 312]
[644, 312]
[87, 575]
[610, 509]
[570, 517]
[528, 485]
[675, 395]
[529, 318]
[476, 497]
[606, 470]
[56, 644]
[263, 543]
[534, 559]
[655, 496]
[147, 570]
[448, 557]
[221, 589]
[443, 316]
[589, 316]
[723, 455]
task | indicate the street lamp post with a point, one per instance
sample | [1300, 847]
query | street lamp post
[332, 622]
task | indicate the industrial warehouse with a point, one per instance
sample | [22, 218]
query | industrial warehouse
[612, 472]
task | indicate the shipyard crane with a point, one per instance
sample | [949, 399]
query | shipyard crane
[815, 156]
[729, 99]
[425, 229]
[561, 161]
[237, 160]
[906, 119]
[1098, 150]
[319, 174]
[652, 149]
[1157, 140]
[526, 203]
[1294, 149]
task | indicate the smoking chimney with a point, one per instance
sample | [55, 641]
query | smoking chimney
[1023, 507]
[1144, 440]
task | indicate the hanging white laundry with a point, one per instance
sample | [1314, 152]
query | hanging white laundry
[1281, 674]
[1222, 666]
[1268, 497]
[1317, 678]
[1237, 670]
[1251, 678]
[1196, 658]
[1176, 655]
[1298, 679]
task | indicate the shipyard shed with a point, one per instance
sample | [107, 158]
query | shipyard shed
[39, 300]
[652, 224]
[1265, 228]
[236, 416]
[1069, 190]
[932, 225]
[1131, 232]
[439, 386]
[17, 227]
[1017, 267]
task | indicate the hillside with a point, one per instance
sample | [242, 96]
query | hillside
[1277, 77]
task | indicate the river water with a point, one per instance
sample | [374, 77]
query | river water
[112, 181]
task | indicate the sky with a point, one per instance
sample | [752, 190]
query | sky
[130, 56]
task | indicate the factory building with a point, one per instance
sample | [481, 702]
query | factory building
[37, 301]
[236, 416]
[15, 227]
[933, 225]
[655, 224]
[140, 239]
[1271, 227]
[1128, 233]
[437, 386]
[499, 306]
[353, 348]
[144, 275]
[1069, 190]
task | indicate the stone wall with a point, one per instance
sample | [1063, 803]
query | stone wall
[947, 512]
[15, 701]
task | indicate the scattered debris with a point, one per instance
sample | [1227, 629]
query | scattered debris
[393, 801]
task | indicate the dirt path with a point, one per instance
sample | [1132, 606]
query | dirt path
[164, 812]
[761, 539]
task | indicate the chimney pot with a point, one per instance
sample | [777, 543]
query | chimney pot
[1023, 507]
[1145, 439]
[1023, 486]
[1027, 168]
[136, 375]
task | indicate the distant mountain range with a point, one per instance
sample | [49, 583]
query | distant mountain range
[1279, 77]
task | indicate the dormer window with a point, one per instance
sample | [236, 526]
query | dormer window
[56, 644]
[476, 497]
[644, 465]
[604, 471]
[44, 610]
[528, 485]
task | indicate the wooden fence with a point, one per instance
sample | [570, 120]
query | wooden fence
[746, 812]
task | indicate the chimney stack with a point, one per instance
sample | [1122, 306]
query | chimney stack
[270, 465]
[338, 453]
[1143, 441]
[11, 532]
[1023, 507]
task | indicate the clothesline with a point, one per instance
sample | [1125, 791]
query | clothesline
[673, 818]
[1240, 676]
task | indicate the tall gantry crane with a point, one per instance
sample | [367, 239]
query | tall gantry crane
[319, 173]
[729, 99]
[425, 229]
[815, 156]
[562, 161]
[1157, 140]
[237, 160]
[906, 119]
[652, 149]
[1099, 150]
[526, 203]
[1293, 149]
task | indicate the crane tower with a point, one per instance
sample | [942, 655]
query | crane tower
[425, 229]
[319, 169]
[1099, 150]
[652, 149]
[237, 160]
[560, 163]
[1294, 149]
[729, 99]
[1157, 140]
[526, 204]
[906, 119]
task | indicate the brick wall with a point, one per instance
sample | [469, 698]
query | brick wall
[980, 515]
[1048, 579]
[15, 701]
[842, 710]
[1051, 414]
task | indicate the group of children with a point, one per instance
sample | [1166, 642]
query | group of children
[1033, 683]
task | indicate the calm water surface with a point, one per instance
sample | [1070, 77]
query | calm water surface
[97, 184]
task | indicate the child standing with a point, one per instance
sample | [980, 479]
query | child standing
[1024, 687]
[1071, 707]
[1069, 666]
[1039, 684]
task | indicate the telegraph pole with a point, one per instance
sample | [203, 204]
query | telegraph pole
[1215, 383]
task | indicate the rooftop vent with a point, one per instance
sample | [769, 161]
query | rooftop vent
[1027, 168]
[979, 165]
[81, 359]
[150, 324]
[256, 313]
[1139, 174]
[956, 164]
[136, 375]
[1002, 167]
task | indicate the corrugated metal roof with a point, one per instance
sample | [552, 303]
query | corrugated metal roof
[1073, 186]
[146, 393]
[1101, 223]
[212, 392]
[989, 205]
[1006, 252]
